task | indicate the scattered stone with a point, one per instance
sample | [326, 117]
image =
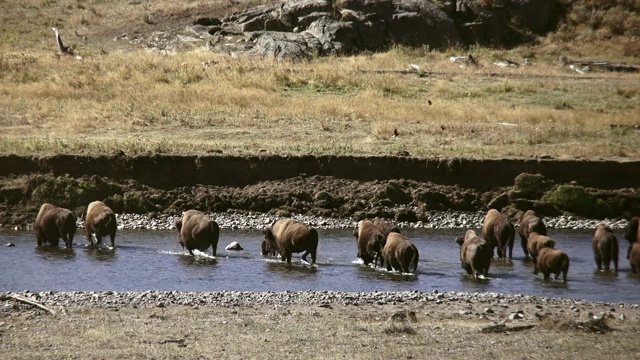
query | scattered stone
[234, 246]
[622, 317]
[10, 244]
[516, 316]
[488, 311]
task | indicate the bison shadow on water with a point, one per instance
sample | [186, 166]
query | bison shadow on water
[53, 253]
[283, 268]
[369, 272]
[101, 254]
[198, 258]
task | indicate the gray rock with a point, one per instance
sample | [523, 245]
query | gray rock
[234, 246]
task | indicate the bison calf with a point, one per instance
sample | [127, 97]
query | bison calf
[553, 261]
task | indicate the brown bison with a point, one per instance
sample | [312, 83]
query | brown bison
[475, 254]
[54, 223]
[535, 243]
[197, 231]
[530, 222]
[400, 254]
[634, 257]
[553, 261]
[370, 241]
[100, 221]
[288, 236]
[498, 232]
[632, 232]
[386, 227]
[605, 248]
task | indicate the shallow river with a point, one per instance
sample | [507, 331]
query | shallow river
[152, 260]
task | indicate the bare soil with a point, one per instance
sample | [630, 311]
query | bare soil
[438, 330]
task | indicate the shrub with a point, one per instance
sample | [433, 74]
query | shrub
[576, 200]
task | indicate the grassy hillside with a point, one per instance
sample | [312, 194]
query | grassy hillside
[121, 96]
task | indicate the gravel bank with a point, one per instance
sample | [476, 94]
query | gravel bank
[258, 221]
[115, 300]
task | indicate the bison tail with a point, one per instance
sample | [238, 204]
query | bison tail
[413, 265]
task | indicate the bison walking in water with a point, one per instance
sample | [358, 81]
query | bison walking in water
[530, 223]
[535, 243]
[100, 221]
[371, 237]
[197, 232]
[498, 232]
[400, 254]
[475, 254]
[54, 223]
[287, 236]
[553, 261]
[605, 248]
[370, 241]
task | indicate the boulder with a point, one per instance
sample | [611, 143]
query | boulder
[235, 246]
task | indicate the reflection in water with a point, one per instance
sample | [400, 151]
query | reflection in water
[102, 254]
[293, 268]
[47, 252]
[197, 260]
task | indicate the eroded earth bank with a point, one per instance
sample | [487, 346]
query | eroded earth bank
[406, 190]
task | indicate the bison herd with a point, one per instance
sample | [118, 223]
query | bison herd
[379, 242]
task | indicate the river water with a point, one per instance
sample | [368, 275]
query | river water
[153, 260]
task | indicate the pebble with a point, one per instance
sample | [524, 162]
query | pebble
[248, 220]
[232, 299]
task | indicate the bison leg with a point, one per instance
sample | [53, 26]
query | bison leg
[523, 243]
[41, 239]
[288, 256]
[67, 242]
[113, 240]
[598, 260]
[54, 241]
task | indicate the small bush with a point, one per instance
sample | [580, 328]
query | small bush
[531, 186]
[69, 192]
[576, 200]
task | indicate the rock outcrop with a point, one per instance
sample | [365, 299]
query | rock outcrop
[302, 29]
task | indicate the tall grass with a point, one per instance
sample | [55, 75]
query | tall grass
[140, 102]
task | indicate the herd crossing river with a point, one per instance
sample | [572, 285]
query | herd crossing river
[152, 260]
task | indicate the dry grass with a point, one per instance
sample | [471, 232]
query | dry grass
[119, 98]
[264, 332]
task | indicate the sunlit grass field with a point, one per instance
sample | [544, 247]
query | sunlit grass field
[124, 98]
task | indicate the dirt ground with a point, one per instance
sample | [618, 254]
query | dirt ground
[412, 330]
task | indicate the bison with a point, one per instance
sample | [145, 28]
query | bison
[475, 254]
[498, 232]
[287, 236]
[100, 221]
[400, 254]
[54, 223]
[197, 231]
[553, 261]
[605, 248]
[529, 223]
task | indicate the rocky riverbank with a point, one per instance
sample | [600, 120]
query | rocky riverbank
[160, 299]
[235, 220]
